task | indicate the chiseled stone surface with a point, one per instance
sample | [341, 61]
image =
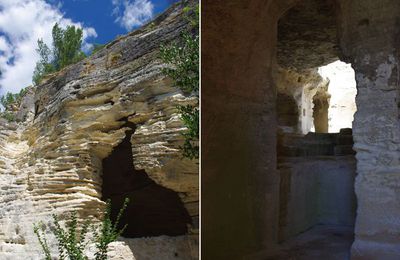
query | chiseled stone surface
[300, 89]
[307, 35]
[239, 163]
[316, 190]
[51, 163]
[369, 38]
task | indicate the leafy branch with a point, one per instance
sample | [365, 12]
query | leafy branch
[182, 58]
[73, 240]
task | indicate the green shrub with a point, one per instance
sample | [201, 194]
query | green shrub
[191, 14]
[190, 118]
[73, 240]
[109, 231]
[9, 99]
[182, 57]
[39, 231]
[10, 102]
[97, 47]
[9, 116]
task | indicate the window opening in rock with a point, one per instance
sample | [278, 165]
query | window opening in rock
[342, 91]
[315, 159]
[153, 209]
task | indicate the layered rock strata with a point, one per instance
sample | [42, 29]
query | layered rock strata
[242, 45]
[52, 162]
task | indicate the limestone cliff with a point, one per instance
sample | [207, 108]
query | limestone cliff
[52, 161]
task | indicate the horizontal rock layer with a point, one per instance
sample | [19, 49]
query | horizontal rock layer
[52, 162]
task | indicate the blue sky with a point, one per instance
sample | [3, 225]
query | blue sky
[100, 15]
[22, 22]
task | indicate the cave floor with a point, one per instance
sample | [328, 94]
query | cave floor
[320, 242]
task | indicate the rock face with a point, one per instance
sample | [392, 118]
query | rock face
[307, 35]
[316, 191]
[298, 97]
[53, 162]
[369, 36]
[317, 181]
[241, 53]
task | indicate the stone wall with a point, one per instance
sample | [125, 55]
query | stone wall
[240, 42]
[317, 182]
[296, 111]
[240, 184]
[369, 35]
[320, 191]
[52, 163]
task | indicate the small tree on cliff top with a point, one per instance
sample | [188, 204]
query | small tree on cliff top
[66, 50]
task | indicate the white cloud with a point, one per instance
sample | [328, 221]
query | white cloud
[22, 22]
[132, 14]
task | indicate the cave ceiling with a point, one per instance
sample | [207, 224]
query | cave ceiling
[307, 36]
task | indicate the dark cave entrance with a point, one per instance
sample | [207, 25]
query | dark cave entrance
[153, 210]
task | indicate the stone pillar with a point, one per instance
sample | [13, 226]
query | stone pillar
[240, 184]
[320, 112]
[369, 40]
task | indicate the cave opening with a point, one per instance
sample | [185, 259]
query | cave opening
[153, 210]
[315, 107]
[321, 112]
[341, 95]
